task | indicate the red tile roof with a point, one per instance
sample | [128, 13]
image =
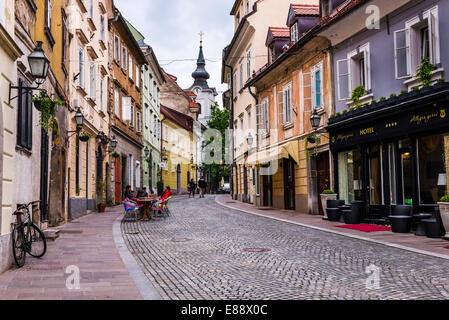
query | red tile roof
[306, 9]
[280, 32]
[180, 118]
[190, 93]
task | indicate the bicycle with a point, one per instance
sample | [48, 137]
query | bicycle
[26, 236]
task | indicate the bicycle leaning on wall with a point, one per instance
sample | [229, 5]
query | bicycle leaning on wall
[26, 236]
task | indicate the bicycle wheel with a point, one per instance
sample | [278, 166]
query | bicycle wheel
[37, 244]
[18, 250]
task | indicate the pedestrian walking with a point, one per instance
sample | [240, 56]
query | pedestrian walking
[192, 188]
[202, 185]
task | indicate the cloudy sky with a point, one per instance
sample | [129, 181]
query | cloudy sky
[172, 28]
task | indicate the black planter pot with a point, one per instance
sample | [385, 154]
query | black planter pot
[426, 90]
[441, 85]
[401, 224]
[403, 97]
[37, 105]
[333, 214]
[84, 138]
[413, 94]
[393, 101]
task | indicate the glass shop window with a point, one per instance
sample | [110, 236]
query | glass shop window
[350, 176]
[433, 160]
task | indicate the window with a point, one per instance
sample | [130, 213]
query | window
[138, 121]
[287, 104]
[102, 94]
[158, 92]
[48, 14]
[137, 175]
[64, 40]
[81, 67]
[294, 36]
[124, 58]
[248, 64]
[24, 118]
[151, 85]
[138, 79]
[116, 48]
[417, 41]
[350, 176]
[159, 129]
[155, 125]
[241, 75]
[151, 121]
[272, 53]
[131, 122]
[117, 102]
[92, 82]
[234, 85]
[249, 119]
[317, 86]
[131, 68]
[102, 28]
[265, 116]
[91, 9]
[326, 7]
[354, 71]
[131, 173]
[248, 6]
[432, 164]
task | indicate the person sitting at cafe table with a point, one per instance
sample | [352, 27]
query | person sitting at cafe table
[129, 194]
[167, 193]
[142, 193]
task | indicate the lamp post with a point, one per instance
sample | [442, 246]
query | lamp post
[146, 151]
[79, 120]
[315, 120]
[113, 144]
[39, 65]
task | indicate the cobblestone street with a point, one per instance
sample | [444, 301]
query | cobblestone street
[205, 251]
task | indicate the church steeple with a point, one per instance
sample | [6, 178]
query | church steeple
[200, 74]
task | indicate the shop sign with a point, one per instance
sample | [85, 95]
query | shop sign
[384, 128]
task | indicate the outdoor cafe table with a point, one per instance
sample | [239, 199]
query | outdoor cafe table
[146, 202]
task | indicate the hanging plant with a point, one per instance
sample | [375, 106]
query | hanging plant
[85, 137]
[424, 73]
[314, 139]
[115, 155]
[47, 107]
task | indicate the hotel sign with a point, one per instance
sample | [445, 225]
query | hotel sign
[385, 128]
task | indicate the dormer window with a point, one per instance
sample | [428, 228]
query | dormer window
[294, 36]
[272, 53]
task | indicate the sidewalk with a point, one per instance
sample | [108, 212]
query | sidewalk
[87, 243]
[410, 242]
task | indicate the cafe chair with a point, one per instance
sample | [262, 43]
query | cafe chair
[131, 209]
[401, 219]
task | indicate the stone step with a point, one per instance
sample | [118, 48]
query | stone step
[51, 234]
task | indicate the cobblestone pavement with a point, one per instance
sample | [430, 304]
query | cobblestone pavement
[199, 253]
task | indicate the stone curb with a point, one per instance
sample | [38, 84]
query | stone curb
[388, 244]
[144, 285]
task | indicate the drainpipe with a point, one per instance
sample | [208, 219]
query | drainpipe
[231, 126]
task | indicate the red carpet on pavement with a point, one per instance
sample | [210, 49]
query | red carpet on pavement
[365, 227]
[446, 247]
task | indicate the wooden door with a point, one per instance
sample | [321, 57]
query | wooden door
[267, 191]
[118, 182]
[289, 184]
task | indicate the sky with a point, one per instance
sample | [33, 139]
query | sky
[172, 28]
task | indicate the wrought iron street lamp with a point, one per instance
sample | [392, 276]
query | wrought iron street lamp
[147, 152]
[39, 65]
[315, 120]
[250, 140]
[79, 120]
[112, 144]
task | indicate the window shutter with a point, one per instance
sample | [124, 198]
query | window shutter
[434, 42]
[117, 103]
[126, 108]
[343, 79]
[402, 53]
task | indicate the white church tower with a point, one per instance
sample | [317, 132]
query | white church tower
[205, 96]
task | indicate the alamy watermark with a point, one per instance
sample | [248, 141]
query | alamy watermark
[73, 280]
[373, 280]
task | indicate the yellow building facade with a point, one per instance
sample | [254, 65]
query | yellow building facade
[179, 155]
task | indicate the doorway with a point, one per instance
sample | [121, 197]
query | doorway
[289, 184]
[374, 182]
[178, 179]
[323, 177]
[267, 181]
[245, 184]
[44, 176]
[118, 181]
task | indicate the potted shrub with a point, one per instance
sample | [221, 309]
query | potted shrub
[357, 94]
[85, 137]
[47, 107]
[444, 213]
[101, 191]
[327, 195]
